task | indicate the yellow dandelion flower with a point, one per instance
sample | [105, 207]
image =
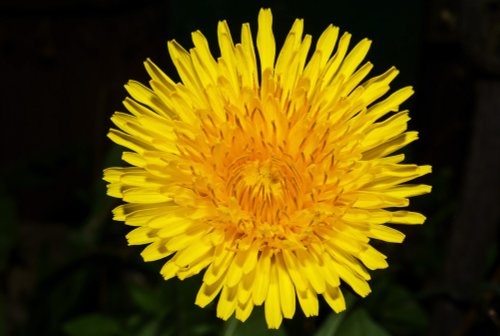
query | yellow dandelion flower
[270, 173]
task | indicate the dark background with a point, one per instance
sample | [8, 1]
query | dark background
[65, 268]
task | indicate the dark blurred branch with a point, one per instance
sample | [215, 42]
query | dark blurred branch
[476, 225]
[480, 34]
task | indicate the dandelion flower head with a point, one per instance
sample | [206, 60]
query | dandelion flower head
[269, 171]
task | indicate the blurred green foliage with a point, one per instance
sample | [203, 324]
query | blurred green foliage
[82, 279]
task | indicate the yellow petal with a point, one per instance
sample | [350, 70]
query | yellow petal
[358, 284]
[333, 64]
[354, 58]
[286, 289]
[265, 40]
[409, 190]
[196, 267]
[243, 311]
[227, 302]
[245, 288]
[228, 53]
[145, 96]
[296, 275]
[376, 87]
[245, 54]
[138, 109]
[134, 159]
[170, 226]
[208, 292]
[199, 250]
[251, 258]
[155, 251]
[144, 195]
[375, 200]
[390, 146]
[383, 131]
[126, 211]
[386, 233]
[332, 277]
[158, 75]
[169, 269]
[128, 141]
[310, 271]
[407, 217]
[207, 64]
[218, 268]
[272, 304]
[182, 241]
[326, 43]
[182, 62]
[351, 263]
[391, 103]
[141, 235]
[356, 78]
[292, 43]
[372, 258]
[236, 269]
[371, 216]
[261, 282]
[308, 302]
[333, 296]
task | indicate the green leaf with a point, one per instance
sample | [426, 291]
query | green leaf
[255, 325]
[56, 297]
[150, 328]
[359, 323]
[92, 324]
[331, 325]
[400, 312]
[149, 299]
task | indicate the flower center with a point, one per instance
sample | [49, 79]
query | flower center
[266, 189]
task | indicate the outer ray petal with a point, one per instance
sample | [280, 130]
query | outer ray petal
[272, 304]
[227, 302]
[261, 282]
[286, 288]
[333, 296]
[265, 40]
